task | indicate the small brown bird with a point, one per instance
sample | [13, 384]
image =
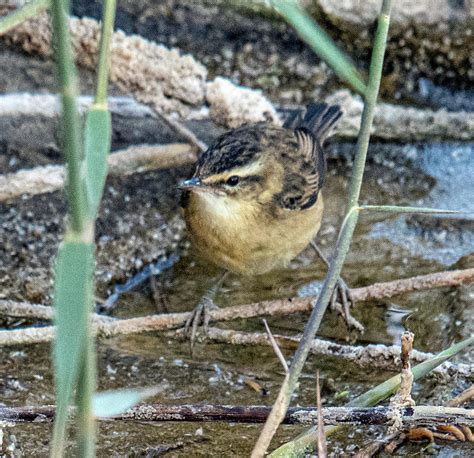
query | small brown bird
[254, 202]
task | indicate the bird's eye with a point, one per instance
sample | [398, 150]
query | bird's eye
[233, 180]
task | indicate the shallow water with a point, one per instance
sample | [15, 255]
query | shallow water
[217, 372]
[444, 239]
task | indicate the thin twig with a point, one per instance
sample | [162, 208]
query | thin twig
[182, 130]
[276, 348]
[280, 357]
[411, 416]
[465, 396]
[394, 442]
[135, 159]
[377, 356]
[38, 311]
[376, 291]
[385, 290]
[374, 448]
[26, 310]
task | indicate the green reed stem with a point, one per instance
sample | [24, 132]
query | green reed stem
[108, 18]
[321, 43]
[22, 14]
[71, 131]
[404, 209]
[370, 100]
[345, 236]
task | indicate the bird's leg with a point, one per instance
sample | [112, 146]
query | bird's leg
[200, 314]
[341, 299]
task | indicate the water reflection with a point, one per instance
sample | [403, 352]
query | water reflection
[395, 322]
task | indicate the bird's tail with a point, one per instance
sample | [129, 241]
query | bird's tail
[319, 119]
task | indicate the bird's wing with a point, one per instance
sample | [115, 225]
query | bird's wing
[304, 177]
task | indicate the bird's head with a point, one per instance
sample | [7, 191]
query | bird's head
[239, 167]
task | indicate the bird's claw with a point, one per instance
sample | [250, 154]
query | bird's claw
[341, 302]
[200, 315]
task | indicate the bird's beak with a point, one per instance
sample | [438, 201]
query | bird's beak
[192, 183]
[197, 185]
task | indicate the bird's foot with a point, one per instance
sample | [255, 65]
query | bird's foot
[341, 302]
[199, 316]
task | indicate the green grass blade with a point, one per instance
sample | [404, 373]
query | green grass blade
[98, 132]
[97, 142]
[111, 403]
[85, 392]
[321, 43]
[72, 302]
[307, 441]
[402, 209]
[22, 14]
[70, 121]
[108, 19]
[386, 389]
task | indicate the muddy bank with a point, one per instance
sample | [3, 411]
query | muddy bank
[136, 227]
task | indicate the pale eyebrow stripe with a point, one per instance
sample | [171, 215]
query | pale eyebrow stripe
[244, 171]
[248, 169]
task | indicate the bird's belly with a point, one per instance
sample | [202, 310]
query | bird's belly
[253, 246]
